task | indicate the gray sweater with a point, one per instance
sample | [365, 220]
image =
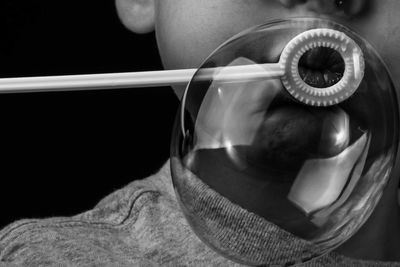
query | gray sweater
[139, 225]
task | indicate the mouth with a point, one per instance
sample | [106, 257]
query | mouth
[321, 67]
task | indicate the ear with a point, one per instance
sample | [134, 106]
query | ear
[137, 15]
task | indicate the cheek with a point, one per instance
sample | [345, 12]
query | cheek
[382, 32]
[184, 49]
[185, 41]
[389, 50]
[186, 37]
[189, 30]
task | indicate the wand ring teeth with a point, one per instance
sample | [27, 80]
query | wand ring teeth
[352, 57]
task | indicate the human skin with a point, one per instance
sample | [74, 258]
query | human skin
[187, 31]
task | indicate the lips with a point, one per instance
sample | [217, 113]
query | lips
[321, 67]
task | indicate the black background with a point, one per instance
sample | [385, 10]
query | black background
[60, 153]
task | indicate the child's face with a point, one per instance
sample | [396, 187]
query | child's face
[189, 30]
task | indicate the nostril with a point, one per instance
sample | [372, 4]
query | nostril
[291, 3]
[353, 7]
[322, 6]
[343, 7]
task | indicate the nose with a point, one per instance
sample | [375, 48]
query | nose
[291, 3]
[327, 7]
[323, 6]
[318, 6]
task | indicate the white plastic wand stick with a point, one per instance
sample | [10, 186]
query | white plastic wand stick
[135, 79]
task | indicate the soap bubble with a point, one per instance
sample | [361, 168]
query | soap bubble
[263, 178]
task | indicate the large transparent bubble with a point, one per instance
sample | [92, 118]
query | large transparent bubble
[264, 178]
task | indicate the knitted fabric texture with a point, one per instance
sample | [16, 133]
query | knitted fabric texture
[143, 225]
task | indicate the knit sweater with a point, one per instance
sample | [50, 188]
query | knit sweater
[139, 225]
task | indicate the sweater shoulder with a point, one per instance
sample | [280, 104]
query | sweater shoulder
[99, 236]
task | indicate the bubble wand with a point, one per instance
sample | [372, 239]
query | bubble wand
[286, 69]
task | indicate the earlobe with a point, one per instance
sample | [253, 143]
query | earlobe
[137, 15]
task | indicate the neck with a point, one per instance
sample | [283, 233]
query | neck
[379, 238]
